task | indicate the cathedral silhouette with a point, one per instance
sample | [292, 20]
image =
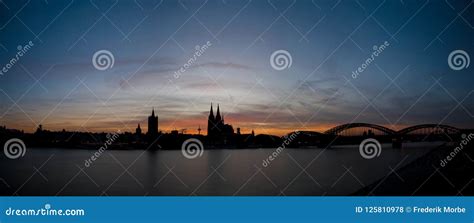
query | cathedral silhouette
[217, 131]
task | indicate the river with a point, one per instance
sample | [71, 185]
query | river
[339, 170]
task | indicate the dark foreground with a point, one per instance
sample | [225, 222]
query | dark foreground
[428, 176]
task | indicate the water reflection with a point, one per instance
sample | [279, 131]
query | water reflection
[337, 171]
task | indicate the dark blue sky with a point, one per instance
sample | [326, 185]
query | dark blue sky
[55, 83]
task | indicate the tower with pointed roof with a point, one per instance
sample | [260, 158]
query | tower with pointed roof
[152, 125]
[138, 130]
[217, 131]
[138, 133]
[218, 116]
[210, 123]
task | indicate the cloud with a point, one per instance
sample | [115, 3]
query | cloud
[158, 73]
[225, 66]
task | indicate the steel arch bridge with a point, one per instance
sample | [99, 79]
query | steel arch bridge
[430, 127]
[338, 129]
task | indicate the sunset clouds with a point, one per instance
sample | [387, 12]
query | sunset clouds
[56, 85]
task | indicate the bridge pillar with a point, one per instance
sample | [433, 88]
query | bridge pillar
[397, 141]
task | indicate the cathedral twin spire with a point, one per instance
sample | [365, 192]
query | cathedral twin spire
[215, 124]
[218, 116]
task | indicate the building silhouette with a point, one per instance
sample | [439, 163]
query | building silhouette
[211, 124]
[152, 133]
[138, 133]
[217, 131]
[138, 130]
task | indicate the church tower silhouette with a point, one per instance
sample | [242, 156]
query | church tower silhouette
[152, 125]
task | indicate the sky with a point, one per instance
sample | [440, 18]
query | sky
[409, 82]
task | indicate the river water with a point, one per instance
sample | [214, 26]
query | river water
[336, 171]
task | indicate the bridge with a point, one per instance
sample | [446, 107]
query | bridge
[345, 128]
[353, 132]
[427, 129]
[373, 129]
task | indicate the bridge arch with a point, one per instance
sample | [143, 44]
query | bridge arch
[338, 129]
[435, 127]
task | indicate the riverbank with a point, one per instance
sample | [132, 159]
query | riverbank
[428, 176]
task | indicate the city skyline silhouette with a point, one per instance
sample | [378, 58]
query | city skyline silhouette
[179, 67]
[223, 135]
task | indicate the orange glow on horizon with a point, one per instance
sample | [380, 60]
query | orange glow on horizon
[190, 126]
